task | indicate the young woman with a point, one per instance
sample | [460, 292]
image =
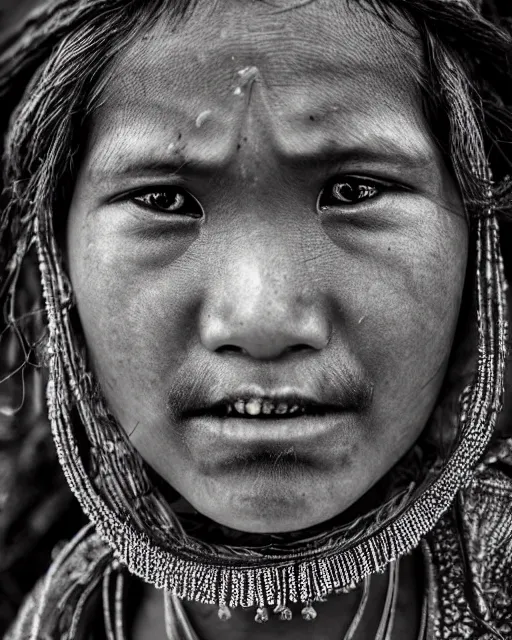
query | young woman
[268, 239]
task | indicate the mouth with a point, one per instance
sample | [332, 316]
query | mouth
[265, 408]
[252, 418]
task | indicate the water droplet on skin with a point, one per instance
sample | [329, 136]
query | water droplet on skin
[202, 117]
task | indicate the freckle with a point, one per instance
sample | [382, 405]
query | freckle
[311, 117]
[238, 146]
[389, 248]
[202, 117]
[179, 136]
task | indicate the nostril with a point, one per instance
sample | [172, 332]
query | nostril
[299, 347]
[229, 348]
[233, 348]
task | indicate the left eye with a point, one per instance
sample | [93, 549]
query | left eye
[348, 191]
[173, 200]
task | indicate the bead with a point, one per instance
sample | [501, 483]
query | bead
[284, 613]
[308, 613]
[261, 615]
[224, 613]
[347, 589]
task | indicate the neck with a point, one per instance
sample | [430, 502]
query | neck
[334, 617]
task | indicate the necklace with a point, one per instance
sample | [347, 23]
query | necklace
[87, 556]
[178, 625]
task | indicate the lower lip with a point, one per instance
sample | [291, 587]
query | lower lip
[248, 431]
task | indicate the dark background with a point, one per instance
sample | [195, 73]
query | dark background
[12, 11]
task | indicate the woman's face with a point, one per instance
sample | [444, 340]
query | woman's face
[268, 255]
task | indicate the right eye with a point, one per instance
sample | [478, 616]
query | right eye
[170, 200]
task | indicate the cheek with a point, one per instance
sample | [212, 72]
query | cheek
[401, 290]
[135, 315]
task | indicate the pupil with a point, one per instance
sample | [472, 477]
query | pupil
[162, 200]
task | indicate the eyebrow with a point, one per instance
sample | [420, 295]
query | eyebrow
[385, 152]
[379, 150]
[148, 168]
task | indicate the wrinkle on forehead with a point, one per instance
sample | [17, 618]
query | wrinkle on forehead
[331, 65]
[241, 34]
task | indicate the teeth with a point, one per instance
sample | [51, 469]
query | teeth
[240, 406]
[253, 407]
[268, 407]
[257, 406]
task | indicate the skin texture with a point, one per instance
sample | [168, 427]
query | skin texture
[256, 113]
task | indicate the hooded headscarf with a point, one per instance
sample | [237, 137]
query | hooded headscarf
[51, 75]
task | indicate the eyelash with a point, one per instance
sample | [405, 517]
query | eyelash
[178, 194]
[366, 188]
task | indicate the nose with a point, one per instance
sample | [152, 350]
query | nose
[263, 307]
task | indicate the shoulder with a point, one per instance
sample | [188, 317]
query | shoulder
[65, 591]
[486, 521]
[487, 508]
[471, 550]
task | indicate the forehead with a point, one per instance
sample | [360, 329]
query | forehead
[329, 62]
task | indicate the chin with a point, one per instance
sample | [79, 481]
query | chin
[274, 508]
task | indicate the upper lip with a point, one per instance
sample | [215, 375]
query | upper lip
[289, 396]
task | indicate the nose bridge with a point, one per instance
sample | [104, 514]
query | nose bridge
[260, 279]
[262, 302]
